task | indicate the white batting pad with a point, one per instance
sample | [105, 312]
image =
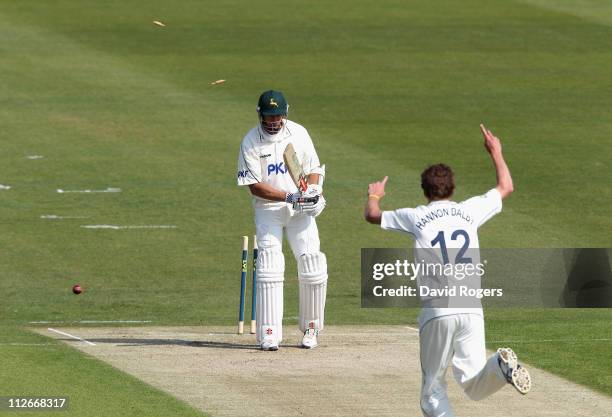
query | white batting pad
[312, 273]
[270, 276]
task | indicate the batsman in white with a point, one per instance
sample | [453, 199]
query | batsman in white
[453, 335]
[279, 207]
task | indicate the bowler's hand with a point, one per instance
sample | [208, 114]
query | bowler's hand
[378, 188]
[491, 142]
[494, 147]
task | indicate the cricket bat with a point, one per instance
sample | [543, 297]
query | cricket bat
[295, 168]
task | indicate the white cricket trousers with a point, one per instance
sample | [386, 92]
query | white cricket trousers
[457, 340]
[302, 232]
[303, 237]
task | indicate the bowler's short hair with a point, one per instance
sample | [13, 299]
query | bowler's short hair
[438, 182]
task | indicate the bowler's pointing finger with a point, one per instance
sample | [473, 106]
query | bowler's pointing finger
[483, 129]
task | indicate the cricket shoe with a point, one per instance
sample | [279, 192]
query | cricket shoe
[269, 341]
[515, 374]
[309, 341]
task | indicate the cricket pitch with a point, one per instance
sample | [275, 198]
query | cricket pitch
[356, 371]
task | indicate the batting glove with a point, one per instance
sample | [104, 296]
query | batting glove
[314, 209]
[293, 198]
[313, 190]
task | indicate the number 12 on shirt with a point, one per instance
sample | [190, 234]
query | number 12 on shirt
[459, 259]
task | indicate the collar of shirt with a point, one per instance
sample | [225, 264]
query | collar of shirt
[433, 203]
[284, 133]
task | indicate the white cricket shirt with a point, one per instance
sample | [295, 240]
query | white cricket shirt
[447, 223]
[260, 159]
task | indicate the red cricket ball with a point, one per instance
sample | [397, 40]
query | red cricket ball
[77, 289]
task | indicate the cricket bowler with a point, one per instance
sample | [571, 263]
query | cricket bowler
[279, 206]
[453, 336]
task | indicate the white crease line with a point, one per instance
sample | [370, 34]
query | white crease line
[56, 217]
[107, 190]
[115, 227]
[114, 321]
[91, 321]
[72, 336]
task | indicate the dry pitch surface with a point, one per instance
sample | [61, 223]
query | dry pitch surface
[356, 371]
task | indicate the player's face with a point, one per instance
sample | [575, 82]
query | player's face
[272, 124]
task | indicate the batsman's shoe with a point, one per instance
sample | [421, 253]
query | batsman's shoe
[515, 374]
[269, 341]
[309, 341]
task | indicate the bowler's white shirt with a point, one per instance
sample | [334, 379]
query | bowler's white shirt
[456, 223]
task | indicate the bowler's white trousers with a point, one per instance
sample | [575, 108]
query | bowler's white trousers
[457, 340]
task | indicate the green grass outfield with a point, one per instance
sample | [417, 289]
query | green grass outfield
[385, 88]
